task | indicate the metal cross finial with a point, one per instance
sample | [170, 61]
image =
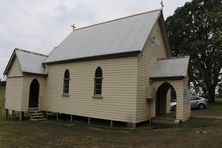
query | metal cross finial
[73, 27]
[161, 3]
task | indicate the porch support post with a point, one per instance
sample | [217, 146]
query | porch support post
[23, 115]
[6, 113]
[12, 115]
[88, 120]
[20, 116]
[57, 116]
[131, 125]
[134, 125]
[70, 118]
[46, 114]
[111, 123]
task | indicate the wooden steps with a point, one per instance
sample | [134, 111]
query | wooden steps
[36, 115]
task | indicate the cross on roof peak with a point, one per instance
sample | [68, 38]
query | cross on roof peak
[161, 3]
[73, 26]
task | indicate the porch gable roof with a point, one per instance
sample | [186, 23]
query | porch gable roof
[29, 62]
[170, 68]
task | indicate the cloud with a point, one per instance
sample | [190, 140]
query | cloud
[80, 12]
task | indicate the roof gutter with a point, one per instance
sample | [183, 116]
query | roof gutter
[31, 73]
[98, 57]
[167, 78]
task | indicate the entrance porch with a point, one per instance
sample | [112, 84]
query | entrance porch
[169, 81]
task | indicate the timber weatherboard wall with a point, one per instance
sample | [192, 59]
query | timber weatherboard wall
[146, 61]
[14, 93]
[118, 89]
[15, 69]
[14, 87]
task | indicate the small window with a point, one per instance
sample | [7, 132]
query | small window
[98, 82]
[66, 82]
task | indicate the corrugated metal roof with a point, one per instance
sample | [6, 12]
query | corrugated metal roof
[30, 62]
[172, 67]
[118, 36]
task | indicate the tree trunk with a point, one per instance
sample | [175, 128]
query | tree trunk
[211, 95]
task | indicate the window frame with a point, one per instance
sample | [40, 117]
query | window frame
[97, 78]
[66, 83]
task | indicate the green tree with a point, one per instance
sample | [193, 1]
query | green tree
[195, 30]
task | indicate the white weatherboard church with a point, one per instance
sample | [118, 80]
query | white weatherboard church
[120, 70]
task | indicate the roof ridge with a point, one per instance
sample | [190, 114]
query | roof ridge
[31, 52]
[113, 20]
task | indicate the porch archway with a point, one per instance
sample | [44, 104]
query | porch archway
[165, 93]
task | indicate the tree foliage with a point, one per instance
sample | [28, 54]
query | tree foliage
[2, 83]
[196, 30]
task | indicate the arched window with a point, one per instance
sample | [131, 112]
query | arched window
[66, 82]
[98, 82]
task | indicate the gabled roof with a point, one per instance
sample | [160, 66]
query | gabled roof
[171, 68]
[124, 35]
[29, 62]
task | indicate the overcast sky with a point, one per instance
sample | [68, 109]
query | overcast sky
[40, 25]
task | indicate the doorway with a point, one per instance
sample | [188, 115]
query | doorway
[34, 94]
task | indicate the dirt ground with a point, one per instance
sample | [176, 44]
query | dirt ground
[195, 133]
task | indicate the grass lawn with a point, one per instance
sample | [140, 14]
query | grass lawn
[194, 133]
[213, 109]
